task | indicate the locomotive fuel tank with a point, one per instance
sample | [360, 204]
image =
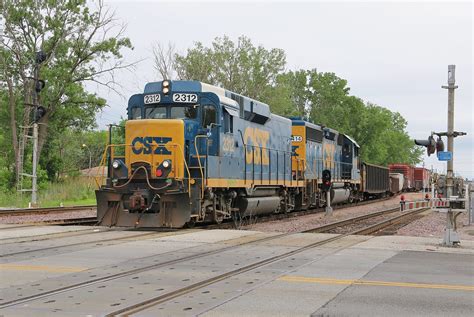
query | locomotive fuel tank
[338, 195]
[253, 206]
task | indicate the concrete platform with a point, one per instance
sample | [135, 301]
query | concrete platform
[60, 271]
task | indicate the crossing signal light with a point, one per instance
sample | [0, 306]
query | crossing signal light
[430, 144]
[326, 180]
[40, 84]
[40, 57]
[439, 145]
[39, 113]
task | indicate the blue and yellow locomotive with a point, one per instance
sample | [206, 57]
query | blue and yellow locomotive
[194, 152]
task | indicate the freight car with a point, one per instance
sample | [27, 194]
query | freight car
[375, 180]
[422, 177]
[408, 175]
[194, 152]
[396, 182]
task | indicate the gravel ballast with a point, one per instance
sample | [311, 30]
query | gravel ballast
[431, 225]
[307, 222]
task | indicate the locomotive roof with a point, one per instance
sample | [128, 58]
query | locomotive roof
[300, 122]
[227, 97]
[191, 85]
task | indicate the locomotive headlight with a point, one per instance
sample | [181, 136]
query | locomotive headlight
[166, 164]
[116, 164]
[166, 90]
[166, 83]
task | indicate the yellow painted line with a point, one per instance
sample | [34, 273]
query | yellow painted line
[43, 268]
[302, 279]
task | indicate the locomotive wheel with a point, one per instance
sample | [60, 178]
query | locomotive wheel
[190, 224]
[218, 217]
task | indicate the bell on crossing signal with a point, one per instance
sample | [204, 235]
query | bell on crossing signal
[430, 144]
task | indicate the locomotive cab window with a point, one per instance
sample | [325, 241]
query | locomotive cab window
[187, 112]
[228, 123]
[155, 113]
[208, 115]
[136, 113]
[346, 151]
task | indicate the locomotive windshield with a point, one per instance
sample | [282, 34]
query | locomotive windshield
[186, 112]
[155, 113]
[171, 112]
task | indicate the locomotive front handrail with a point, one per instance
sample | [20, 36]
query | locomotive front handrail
[110, 148]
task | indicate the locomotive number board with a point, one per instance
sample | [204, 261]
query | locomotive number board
[150, 99]
[185, 98]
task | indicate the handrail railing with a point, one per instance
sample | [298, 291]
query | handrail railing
[110, 148]
[339, 170]
[199, 161]
[287, 155]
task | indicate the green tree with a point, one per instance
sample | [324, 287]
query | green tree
[66, 154]
[323, 98]
[82, 42]
[381, 133]
[290, 94]
[238, 66]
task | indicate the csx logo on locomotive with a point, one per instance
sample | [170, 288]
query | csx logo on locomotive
[257, 138]
[145, 145]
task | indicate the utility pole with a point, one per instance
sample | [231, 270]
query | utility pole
[451, 87]
[458, 200]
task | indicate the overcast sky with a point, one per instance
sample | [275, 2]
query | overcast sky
[394, 54]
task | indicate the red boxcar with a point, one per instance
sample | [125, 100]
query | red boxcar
[422, 178]
[408, 175]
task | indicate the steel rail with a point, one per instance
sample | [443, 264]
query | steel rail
[45, 210]
[132, 309]
[71, 221]
[64, 221]
[78, 243]
[169, 296]
[389, 222]
[280, 216]
[131, 272]
[345, 222]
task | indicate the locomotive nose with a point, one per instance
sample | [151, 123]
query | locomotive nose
[157, 145]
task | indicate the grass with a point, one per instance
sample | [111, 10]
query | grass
[69, 192]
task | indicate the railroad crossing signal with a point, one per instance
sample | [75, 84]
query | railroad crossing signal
[439, 145]
[430, 144]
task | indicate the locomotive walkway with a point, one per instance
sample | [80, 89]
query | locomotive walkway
[72, 271]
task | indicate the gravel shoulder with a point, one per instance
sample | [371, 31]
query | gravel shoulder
[433, 226]
[307, 222]
[46, 217]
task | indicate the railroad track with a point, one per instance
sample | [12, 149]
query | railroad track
[93, 220]
[195, 286]
[336, 227]
[280, 216]
[45, 210]
[127, 311]
[21, 216]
